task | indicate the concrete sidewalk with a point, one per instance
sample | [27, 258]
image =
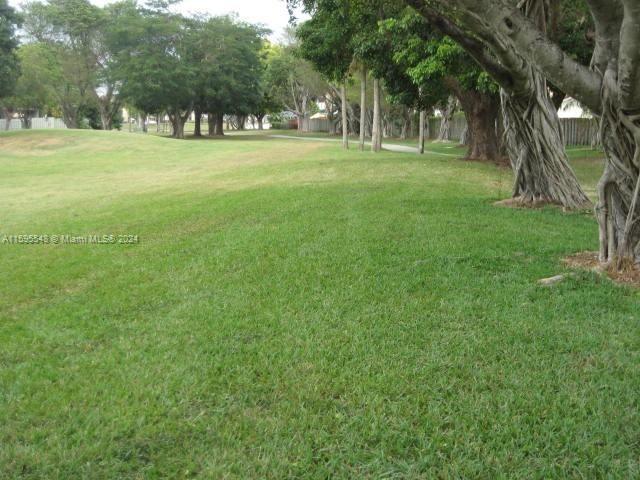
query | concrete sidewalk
[390, 147]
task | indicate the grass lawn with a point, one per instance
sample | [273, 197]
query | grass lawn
[296, 311]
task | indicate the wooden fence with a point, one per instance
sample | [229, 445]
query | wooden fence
[580, 131]
[575, 131]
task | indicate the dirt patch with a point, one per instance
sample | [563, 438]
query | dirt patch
[27, 145]
[629, 275]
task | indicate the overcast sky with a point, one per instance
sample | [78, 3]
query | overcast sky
[272, 13]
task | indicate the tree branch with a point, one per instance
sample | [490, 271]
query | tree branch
[475, 48]
[629, 58]
[607, 16]
[503, 26]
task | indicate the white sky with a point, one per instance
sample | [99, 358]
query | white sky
[271, 13]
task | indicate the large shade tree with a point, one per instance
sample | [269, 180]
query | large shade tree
[609, 86]
[153, 60]
[532, 127]
[438, 65]
[226, 57]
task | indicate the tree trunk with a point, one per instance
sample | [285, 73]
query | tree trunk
[447, 117]
[197, 128]
[536, 150]
[481, 112]
[26, 121]
[421, 133]
[178, 119]
[8, 115]
[376, 134]
[363, 106]
[260, 118]
[220, 124]
[465, 136]
[406, 123]
[177, 126]
[345, 117]
[619, 186]
[105, 119]
[142, 120]
[211, 124]
[70, 116]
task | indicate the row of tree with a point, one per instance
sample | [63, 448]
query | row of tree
[508, 63]
[79, 61]
[534, 52]
[84, 63]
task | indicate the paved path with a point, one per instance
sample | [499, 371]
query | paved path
[386, 146]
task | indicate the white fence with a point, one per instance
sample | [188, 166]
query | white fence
[16, 124]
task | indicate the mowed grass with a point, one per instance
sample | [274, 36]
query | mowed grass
[296, 311]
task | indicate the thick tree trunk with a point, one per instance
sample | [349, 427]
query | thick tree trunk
[260, 118]
[376, 134]
[421, 133]
[177, 126]
[482, 111]
[363, 106]
[178, 118]
[619, 188]
[70, 116]
[142, 121]
[447, 117]
[106, 121]
[536, 150]
[211, 124]
[220, 124]
[345, 116]
[108, 106]
[197, 128]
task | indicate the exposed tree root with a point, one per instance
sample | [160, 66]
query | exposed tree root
[536, 149]
[629, 274]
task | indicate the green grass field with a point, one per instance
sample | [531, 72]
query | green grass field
[296, 311]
